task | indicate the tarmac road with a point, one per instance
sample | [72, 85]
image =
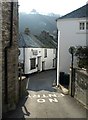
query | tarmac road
[45, 101]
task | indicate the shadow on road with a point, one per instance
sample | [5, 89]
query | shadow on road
[37, 82]
[42, 81]
[20, 111]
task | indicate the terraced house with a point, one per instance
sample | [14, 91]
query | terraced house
[34, 55]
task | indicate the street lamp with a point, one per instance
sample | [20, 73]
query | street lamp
[72, 51]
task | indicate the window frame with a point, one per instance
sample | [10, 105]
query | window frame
[81, 25]
[87, 25]
[32, 65]
[45, 53]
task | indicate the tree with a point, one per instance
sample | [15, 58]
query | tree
[82, 57]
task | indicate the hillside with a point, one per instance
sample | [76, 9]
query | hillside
[37, 23]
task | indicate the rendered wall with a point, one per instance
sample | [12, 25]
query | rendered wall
[70, 35]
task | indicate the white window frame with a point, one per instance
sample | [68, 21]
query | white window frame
[32, 60]
[81, 25]
[45, 53]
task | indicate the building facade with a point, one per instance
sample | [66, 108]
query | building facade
[37, 59]
[33, 56]
[9, 55]
[72, 31]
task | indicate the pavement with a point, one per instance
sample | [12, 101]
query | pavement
[44, 101]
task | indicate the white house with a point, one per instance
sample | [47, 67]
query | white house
[72, 31]
[33, 56]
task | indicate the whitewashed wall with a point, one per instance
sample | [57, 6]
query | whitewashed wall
[70, 35]
[28, 55]
[49, 59]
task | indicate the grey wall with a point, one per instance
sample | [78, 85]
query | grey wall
[12, 56]
[0, 64]
[81, 87]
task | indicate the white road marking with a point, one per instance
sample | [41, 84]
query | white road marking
[29, 96]
[41, 100]
[52, 95]
[46, 96]
[53, 100]
[62, 94]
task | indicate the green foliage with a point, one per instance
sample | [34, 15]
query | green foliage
[82, 57]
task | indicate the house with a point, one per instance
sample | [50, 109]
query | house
[9, 56]
[72, 31]
[34, 55]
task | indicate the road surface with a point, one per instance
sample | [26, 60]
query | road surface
[45, 101]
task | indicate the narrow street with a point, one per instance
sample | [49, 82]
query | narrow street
[45, 101]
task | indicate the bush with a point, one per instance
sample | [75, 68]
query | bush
[82, 57]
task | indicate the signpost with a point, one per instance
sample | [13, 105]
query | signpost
[72, 51]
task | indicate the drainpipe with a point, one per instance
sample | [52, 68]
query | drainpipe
[56, 55]
[5, 51]
[58, 61]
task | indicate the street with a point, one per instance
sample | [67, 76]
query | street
[45, 101]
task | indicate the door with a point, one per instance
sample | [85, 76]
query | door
[43, 65]
[39, 64]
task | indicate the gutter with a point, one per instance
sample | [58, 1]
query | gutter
[5, 52]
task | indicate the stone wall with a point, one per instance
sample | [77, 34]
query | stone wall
[81, 87]
[10, 56]
[0, 63]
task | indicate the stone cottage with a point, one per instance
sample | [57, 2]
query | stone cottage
[9, 55]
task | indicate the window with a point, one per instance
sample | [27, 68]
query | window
[87, 26]
[45, 52]
[53, 62]
[33, 63]
[82, 26]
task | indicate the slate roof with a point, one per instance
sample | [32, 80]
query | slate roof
[30, 40]
[78, 13]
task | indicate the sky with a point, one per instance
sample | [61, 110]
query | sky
[61, 7]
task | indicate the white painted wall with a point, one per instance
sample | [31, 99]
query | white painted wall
[70, 35]
[29, 54]
[21, 58]
[49, 59]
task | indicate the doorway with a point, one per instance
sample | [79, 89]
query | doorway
[39, 64]
[43, 65]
